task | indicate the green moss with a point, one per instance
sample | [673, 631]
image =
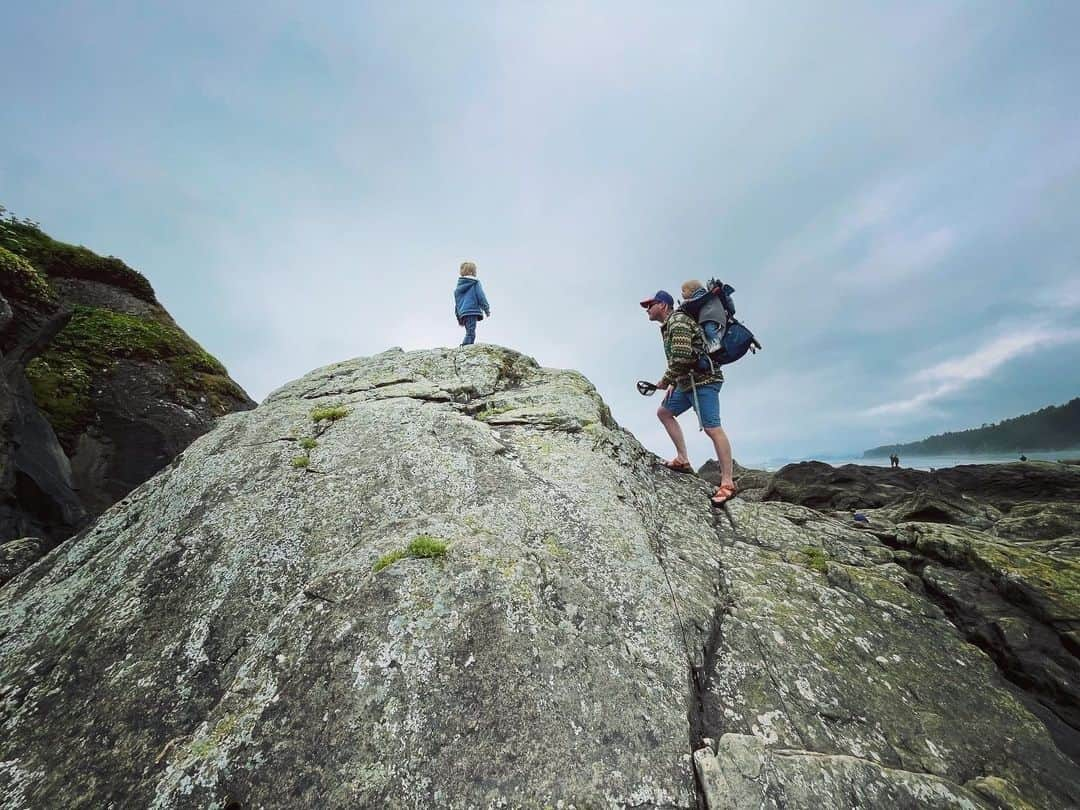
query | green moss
[59, 259]
[387, 560]
[200, 749]
[308, 443]
[92, 342]
[220, 390]
[422, 546]
[427, 546]
[62, 386]
[513, 368]
[551, 543]
[330, 413]
[101, 336]
[300, 462]
[1012, 565]
[21, 281]
[817, 558]
[491, 410]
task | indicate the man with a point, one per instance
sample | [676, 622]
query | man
[689, 387]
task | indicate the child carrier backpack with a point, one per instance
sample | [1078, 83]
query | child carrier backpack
[736, 340]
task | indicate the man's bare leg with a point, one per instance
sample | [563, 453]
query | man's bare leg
[671, 425]
[723, 453]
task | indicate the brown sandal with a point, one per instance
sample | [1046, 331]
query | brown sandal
[679, 467]
[723, 494]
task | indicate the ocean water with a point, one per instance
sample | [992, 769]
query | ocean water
[923, 462]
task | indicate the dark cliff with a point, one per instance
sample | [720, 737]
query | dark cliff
[101, 387]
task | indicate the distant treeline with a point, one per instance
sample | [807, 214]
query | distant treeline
[1056, 427]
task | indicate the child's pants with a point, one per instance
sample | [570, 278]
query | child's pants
[469, 322]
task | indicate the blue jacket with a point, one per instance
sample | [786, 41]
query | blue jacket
[469, 299]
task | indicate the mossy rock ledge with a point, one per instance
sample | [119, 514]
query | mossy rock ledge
[590, 634]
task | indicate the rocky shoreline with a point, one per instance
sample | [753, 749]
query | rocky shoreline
[995, 546]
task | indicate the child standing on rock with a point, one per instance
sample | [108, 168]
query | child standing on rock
[470, 303]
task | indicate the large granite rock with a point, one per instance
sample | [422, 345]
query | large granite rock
[1018, 602]
[997, 547]
[460, 584]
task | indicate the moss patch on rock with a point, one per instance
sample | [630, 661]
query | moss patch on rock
[59, 259]
[62, 377]
[423, 546]
[816, 558]
[62, 385]
[21, 281]
[330, 413]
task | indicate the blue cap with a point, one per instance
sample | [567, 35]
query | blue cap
[661, 297]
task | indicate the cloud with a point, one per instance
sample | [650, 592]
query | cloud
[951, 376]
[899, 255]
[1063, 297]
[300, 187]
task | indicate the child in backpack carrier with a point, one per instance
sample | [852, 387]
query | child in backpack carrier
[708, 310]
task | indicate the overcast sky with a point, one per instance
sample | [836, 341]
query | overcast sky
[892, 189]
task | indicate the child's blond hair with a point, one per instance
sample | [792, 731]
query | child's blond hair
[690, 287]
[468, 269]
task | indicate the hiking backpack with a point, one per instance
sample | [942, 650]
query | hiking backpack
[737, 340]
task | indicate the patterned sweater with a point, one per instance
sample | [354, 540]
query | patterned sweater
[683, 343]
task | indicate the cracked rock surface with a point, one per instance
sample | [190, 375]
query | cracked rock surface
[221, 638]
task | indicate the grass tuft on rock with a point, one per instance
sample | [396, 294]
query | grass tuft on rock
[423, 546]
[817, 559]
[300, 462]
[330, 413]
[427, 546]
[386, 560]
[490, 411]
[308, 443]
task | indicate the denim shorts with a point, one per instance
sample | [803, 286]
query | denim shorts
[708, 397]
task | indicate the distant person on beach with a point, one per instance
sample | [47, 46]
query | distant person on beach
[470, 303]
[686, 387]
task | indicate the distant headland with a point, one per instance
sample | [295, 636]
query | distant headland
[1056, 427]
